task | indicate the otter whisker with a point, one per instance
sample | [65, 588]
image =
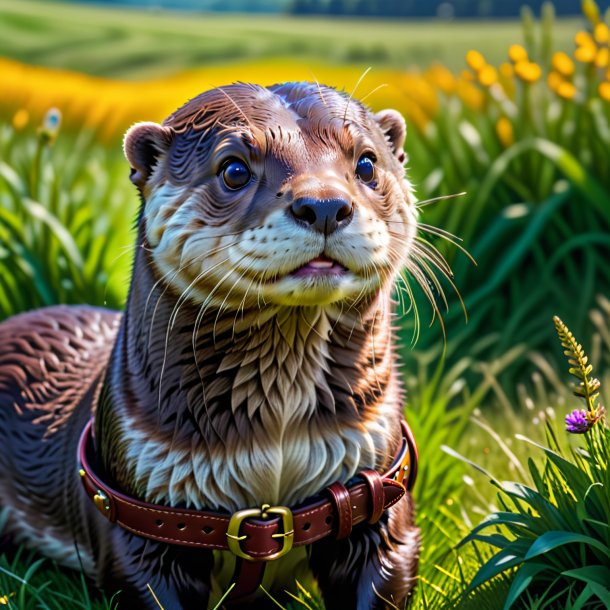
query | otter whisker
[209, 299]
[449, 237]
[416, 319]
[319, 88]
[237, 107]
[242, 305]
[351, 95]
[374, 91]
[223, 304]
[176, 272]
[423, 263]
[176, 308]
[431, 254]
[184, 296]
[423, 282]
[425, 202]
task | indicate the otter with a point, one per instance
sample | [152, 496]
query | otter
[253, 371]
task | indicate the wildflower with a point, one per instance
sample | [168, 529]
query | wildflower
[475, 60]
[602, 58]
[601, 33]
[442, 77]
[505, 132]
[21, 119]
[587, 49]
[517, 53]
[591, 11]
[584, 39]
[566, 90]
[472, 96]
[4, 599]
[554, 81]
[581, 421]
[563, 63]
[528, 71]
[506, 70]
[577, 422]
[585, 55]
[488, 75]
[604, 91]
[50, 125]
[506, 78]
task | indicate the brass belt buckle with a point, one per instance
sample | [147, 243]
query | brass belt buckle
[234, 538]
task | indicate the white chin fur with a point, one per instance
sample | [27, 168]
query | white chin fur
[214, 263]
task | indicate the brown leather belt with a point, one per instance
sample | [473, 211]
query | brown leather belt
[257, 534]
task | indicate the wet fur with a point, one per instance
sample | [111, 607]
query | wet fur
[229, 383]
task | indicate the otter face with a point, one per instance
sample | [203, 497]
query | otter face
[291, 195]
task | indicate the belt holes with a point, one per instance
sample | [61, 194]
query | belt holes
[328, 520]
[159, 523]
[181, 526]
[207, 529]
[306, 526]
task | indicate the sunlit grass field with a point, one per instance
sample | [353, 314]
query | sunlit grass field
[137, 44]
[522, 129]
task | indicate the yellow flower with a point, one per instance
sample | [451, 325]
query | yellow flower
[488, 75]
[563, 63]
[602, 58]
[466, 75]
[601, 33]
[517, 53]
[475, 60]
[604, 91]
[566, 90]
[554, 81]
[528, 71]
[505, 132]
[5, 598]
[506, 70]
[21, 119]
[472, 96]
[584, 39]
[442, 77]
[591, 11]
[586, 55]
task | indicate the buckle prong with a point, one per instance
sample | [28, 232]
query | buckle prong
[234, 538]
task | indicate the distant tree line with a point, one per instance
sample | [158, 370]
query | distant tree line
[427, 8]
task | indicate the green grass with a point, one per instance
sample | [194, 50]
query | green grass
[95, 202]
[131, 44]
[536, 217]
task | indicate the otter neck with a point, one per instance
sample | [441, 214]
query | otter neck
[223, 378]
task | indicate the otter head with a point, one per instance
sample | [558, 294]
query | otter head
[292, 195]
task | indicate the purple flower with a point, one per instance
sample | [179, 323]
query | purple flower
[577, 422]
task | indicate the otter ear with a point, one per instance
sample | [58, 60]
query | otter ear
[143, 144]
[395, 130]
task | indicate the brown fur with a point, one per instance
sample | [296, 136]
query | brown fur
[231, 381]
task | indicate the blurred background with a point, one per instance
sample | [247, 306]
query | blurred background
[507, 103]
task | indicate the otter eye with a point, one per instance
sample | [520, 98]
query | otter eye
[235, 174]
[365, 168]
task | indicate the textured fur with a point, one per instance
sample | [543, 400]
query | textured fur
[232, 380]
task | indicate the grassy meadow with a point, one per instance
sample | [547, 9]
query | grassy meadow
[514, 115]
[125, 43]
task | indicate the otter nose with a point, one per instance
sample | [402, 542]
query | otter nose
[323, 215]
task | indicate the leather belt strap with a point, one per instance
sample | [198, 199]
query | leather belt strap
[341, 500]
[255, 535]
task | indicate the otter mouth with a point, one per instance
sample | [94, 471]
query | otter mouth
[321, 266]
